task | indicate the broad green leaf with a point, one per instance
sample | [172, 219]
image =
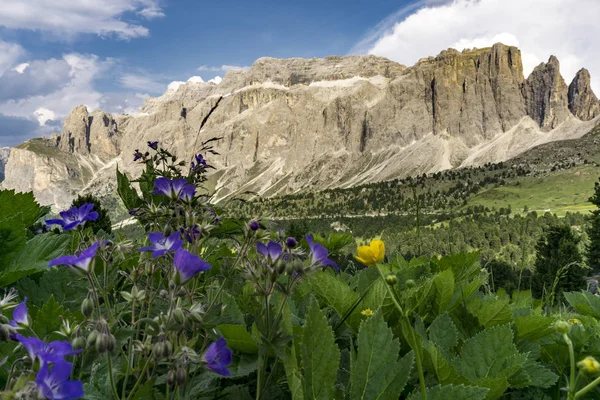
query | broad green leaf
[320, 355]
[533, 327]
[13, 236]
[539, 375]
[444, 289]
[126, 192]
[376, 372]
[585, 303]
[451, 392]
[443, 370]
[242, 365]
[290, 361]
[48, 318]
[33, 257]
[333, 291]
[522, 298]
[238, 338]
[22, 204]
[443, 332]
[490, 311]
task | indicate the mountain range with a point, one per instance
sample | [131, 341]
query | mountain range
[288, 125]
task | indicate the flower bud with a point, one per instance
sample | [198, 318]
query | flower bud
[410, 283]
[79, 343]
[298, 266]
[280, 266]
[291, 242]
[589, 366]
[171, 378]
[92, 337]
[105, 343]
[87, 307]
[178, 316]
[391, 279]
[195, 317]
[254, 225]
[561, 326]
[4, 333]
[181, 375]
[159, 350]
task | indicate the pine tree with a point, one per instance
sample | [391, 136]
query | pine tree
[593, 247]
[557, 248]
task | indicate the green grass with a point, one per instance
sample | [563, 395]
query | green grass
[559, 192]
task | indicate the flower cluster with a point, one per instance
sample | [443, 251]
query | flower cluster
[74, 217]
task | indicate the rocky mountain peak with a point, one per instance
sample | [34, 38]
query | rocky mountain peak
[583, 103]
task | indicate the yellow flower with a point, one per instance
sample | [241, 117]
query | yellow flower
[574, 321]
[371, 254]
[367, 312]
[589, 365]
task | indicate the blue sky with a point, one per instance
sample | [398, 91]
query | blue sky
[112, 54]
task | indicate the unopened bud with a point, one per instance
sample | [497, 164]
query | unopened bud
[280, 266]
[410, 283]
[87, 307]
[179, 316]
[105, 343]
[181, 375]
[171, 378]
[4, 333]
[195, 317]
[391, 279]
[561, 326]
[298, 266]
[92, 337]
[254, 225]
[79, 343]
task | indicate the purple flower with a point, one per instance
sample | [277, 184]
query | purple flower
[137, 155]
[20, 315]
[272, 250]
[217, 357]
[54, 383]
[320, 255]
[153, 145]
[191, 234]
[200, 162]
[175, 189]
[290, 242]
[187, 265]
[162, 244]
[81, 262]
[75, 216]
[254, 225]
[45, 352]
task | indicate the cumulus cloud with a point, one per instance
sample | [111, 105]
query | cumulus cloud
[10, 53]
[15, 130]
[565, 28]
[223, 68]
[44, 115]
[69, 18]
[36, 78]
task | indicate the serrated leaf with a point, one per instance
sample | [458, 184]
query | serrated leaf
[126, 192]
[436, 361]
[376, 372]
[533, 327]
[333, 291]
[585, 303]
[238, 338]
[490, 311]
[539, 376]
[23, 204]
[13, 236]
[443, 332]
[48, 318]
[290, 361]
[444, 289]
[320, 355]
[451, 392]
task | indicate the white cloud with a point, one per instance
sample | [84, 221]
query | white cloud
[223, 68]
[216, 80]
[10, 53]
[43, 115]
[21, 68]
[196, 79]
[142, 82]
[69, 18]
[565, 28]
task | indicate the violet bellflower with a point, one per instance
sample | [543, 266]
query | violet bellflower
[200, 162]
[20, 315]
[153, 145]
[53, 381]
[45, 352]
[81, 262]
[137, 155]
[74, 217]
[162, 244]
[187, 265]
[319, 254]
[217, 357]
[175, 189]
[271, 250]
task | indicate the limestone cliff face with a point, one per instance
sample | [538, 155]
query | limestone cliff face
[295, 124]
[4, 153]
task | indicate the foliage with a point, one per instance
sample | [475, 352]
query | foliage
[593, 247]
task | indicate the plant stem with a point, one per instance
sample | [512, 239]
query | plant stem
[139, 381]
[572, 382]
[111, 378]
[587, 388]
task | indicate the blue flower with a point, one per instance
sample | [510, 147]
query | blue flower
[137, 155]
[81, 262]
[175, 189]
[200, 162]
[45, 352]
[272, 250]
[54, 383]
[320, 255]
[291, 242]
[217, 357]
[20, 315]
[74, 217]
[153, 145]
[162, 244]
[187, 265]
[254, 225]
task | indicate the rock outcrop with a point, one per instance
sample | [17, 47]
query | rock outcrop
[289, 125]
[4, 153]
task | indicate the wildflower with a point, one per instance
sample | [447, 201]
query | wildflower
[55, 384]
[371, 254]
[74, 217]
[162, 244]
[153, 145]
[200, 162]
[589, 365]
[81, 262]
[254, 225]
[217, 357]
[320, 255]
[271, 250]
[137, 155]
[175, 189]
[191, 234]
[573, 321]
[187, 265]
[20, 315]
[48, 352]
[291, 242]
[367, 312]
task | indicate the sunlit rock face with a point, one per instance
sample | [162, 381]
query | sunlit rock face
[304, 124]
[4, 153]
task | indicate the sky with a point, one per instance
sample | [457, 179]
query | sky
[113, 54]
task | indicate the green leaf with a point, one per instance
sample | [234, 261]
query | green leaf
[13, 236]
[333, 291]
[48, 318]
[490, 311]
[126, 192]
[238, 338]
[444, 289]
[533, 327]
[443, 332]
[376, 372]
[539, 375]
[33, 257]
[320, 355]
[436, 361]
[22, 204]
[290, 361]
[451, 392]
[585, 303]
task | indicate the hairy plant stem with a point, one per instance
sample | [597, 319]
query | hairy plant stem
[139, 381]
[572, 381]
[587, 388]
[111, 378]
[410, 334]
[263, 353]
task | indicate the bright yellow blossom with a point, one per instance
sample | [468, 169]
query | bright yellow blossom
[573, 321]
[589, 365]
[367, 312]
[371, 254]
